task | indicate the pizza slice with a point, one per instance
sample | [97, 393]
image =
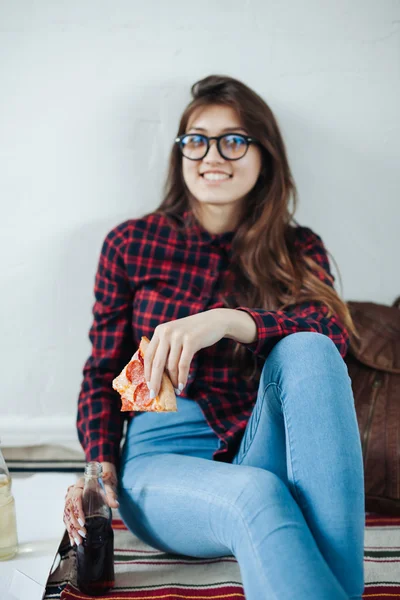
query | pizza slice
[132, 386]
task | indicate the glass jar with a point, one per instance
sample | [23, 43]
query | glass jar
[8, 522]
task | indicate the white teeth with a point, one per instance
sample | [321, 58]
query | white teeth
[215, 176]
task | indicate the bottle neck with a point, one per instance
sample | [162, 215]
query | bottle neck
[94, 501]
[93, 470]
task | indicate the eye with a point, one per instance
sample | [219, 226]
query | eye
[234, 141]
[193, 141]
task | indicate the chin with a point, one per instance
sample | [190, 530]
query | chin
[214, 198]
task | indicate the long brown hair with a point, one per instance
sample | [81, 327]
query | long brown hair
[268, 271]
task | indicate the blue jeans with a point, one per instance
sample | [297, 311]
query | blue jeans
[290, 507]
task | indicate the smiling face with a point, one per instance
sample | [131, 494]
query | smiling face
[215, 180]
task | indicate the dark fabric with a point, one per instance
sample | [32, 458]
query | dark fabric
[149, 273]
[374, 368]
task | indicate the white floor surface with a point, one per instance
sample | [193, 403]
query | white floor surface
[39, 500]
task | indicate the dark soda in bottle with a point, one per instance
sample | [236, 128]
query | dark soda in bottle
[95, 556]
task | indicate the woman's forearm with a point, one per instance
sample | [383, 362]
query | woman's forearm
[240, 326]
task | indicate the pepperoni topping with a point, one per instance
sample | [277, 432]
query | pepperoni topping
[135, 372]
[141, 396]
[126, 404]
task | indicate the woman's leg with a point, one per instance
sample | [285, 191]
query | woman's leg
[304, 429]
[202, 508]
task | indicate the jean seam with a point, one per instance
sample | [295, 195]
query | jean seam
[291, 456]
[256, 427]
[163, 489]
[288, 425]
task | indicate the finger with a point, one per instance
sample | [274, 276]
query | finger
[71, 539]
[69, 491]
[77, 510]
[76, 537]
[158, 367]
[110, 486]
[74, 515]
[110, 479]
[69, 529]
[149, 357]
[111, 497]
[77, 496]
[74, 518]
[172, 363]
[184, 366]
[71, 523]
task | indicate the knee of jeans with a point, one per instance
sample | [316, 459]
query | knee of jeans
[310, 342]
[303, 349]
[262, 495]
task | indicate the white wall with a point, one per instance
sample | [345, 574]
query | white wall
[91, 93]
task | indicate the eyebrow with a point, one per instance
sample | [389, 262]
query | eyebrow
[232, 128]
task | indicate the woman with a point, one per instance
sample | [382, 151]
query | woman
[263, 458]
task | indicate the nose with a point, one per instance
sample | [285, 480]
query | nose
[213, 155]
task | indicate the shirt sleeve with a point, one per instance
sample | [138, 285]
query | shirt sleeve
[99, 420]
[272, 326]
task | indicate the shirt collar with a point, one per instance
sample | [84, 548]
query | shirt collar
[196, 233]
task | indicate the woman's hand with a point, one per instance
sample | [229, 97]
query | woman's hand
[174, 344]
[74, 518]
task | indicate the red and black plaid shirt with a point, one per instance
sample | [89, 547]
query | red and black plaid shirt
[149, 273]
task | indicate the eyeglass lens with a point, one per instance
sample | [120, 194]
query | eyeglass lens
[231, 146]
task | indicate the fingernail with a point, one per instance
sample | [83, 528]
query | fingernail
[181, 386]
[177, 392]
[148, 384]
[82, 533]
[81, 523]
[71, 541]
[117, 503]
[77, 542]
[152, 394]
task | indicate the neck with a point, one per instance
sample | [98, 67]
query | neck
[217, 218]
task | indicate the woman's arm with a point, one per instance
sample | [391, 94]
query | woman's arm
[99, 420]
[270, 326]
[241, 327]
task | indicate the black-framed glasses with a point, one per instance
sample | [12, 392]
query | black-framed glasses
[231, 146]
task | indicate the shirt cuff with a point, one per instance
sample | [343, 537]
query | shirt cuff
[258, 346]
[103, 453]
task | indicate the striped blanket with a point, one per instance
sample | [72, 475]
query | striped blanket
[143, 573]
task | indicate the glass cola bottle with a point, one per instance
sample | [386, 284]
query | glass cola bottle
[95, 556]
